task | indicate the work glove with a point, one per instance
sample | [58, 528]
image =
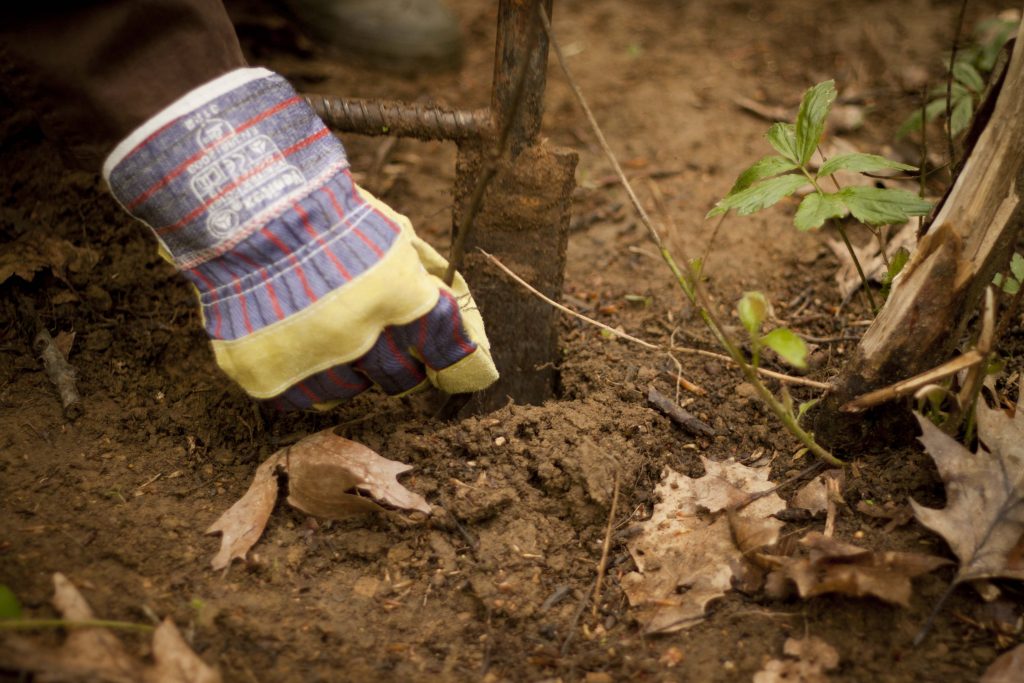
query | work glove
[311, 289]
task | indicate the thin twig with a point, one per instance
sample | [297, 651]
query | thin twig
[949, 91]
[565, 309]
[690, 285]
[602, 566]
[789, 379]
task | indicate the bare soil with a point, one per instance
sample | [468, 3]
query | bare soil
[118, 500]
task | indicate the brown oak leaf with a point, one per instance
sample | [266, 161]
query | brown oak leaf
[984, 515]
[833, 566]
[687, 553]
[328, 476]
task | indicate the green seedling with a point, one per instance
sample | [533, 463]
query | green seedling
[896, 263]
[971, 69]
[753, 309]
[778, 176]
[10, 606]
[1011, 282]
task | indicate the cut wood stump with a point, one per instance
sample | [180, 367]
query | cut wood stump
[970, 239]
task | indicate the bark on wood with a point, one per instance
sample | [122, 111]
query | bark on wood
[968, 242]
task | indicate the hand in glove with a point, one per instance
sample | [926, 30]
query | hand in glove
[311, 289]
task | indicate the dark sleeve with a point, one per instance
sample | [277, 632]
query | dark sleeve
[94, 71]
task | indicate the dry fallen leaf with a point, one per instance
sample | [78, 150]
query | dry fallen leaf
[837, 567]
[34, 252]
[243, 523]
[95, 655]
[813, 495]
[1007, 668]
[326, 476]
[323, 469]
[810, 659]
[686, 553]
[983, 520]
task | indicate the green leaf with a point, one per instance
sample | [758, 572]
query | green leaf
[788, 345]
[804, 407]
[764, 168]
[932, 111]
[896, 263]
[1007, 284]
[816, 208]
[10, 608]
[810, 120]
[878, 206]
[965, 73]
[963, 109]
[1017, 266]
[861, 163]
[639, 300]
[955, 90]
[782, 136]
[753, 308]
[760, 196]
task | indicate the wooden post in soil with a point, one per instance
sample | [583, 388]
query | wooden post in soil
[524, 215]
[523, 219]
[971, 239]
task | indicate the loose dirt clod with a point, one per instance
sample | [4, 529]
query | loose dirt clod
[807, 662]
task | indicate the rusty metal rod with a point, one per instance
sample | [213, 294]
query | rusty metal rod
[391, 117]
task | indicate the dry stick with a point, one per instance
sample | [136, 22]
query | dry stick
[803, 381]
[61, 373]
[912, 384]
[949, 91]
[602, 566]
[690, 286]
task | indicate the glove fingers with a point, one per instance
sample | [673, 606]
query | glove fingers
[335, 384]
[439, 337]
[390, 364]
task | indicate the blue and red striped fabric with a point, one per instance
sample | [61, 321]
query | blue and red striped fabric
[252, 197]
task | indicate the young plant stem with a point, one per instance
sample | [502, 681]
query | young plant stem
[949, 93]
[860, 270]
[869, 298]
[32, 624]
[690, 285]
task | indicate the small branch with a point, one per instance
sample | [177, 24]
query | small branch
[679, 415]
[912, 384]
[61, 373]
[602, 566]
